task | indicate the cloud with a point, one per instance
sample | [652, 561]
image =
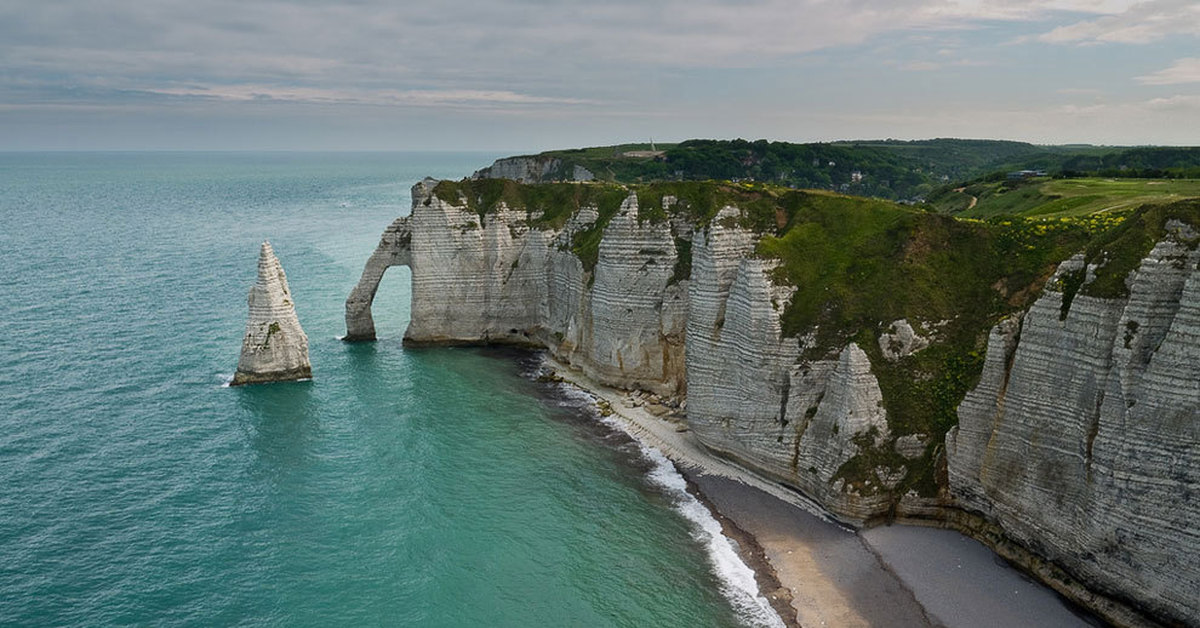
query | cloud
[319, 96]
[934, 66]
[1177, 102]
[724, 63]
[459, 41]
[1142, 23]
[1182, 71]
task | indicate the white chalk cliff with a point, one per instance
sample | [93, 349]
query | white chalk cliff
[1082, 440]
[275, 348]
[1078, 449]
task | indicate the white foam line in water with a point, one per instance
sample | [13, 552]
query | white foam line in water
[736, 577]
[226, 379]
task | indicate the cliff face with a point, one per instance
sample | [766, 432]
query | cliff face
[534, 169]
[495, 279]
[1082, 437]
[748, 394]
[1080, 442]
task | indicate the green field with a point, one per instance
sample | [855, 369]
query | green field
[1062, 197]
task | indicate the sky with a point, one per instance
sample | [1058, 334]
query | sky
[529, 75]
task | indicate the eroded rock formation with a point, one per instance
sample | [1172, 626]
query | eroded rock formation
[275, 348]
[1082, 439]
[534, 169]
[1080, 443]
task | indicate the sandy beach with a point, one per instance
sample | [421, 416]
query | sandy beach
[818, 572]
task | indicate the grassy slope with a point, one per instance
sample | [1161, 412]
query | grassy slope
[890, 168]
[1062, 197]
[608, 163]
[858, 264]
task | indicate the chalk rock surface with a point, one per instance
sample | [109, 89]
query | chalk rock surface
[1082, 439]
[534, 169]
[275, 348]
[1079, 445]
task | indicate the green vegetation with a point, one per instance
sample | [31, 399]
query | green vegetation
[556, 202]
[891, 169]
[1119, 250]
[683, 261]
[1005, 263]
[859, 264]
[1145, 162]
[1059, 197]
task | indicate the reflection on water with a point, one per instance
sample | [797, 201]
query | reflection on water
[283, 423]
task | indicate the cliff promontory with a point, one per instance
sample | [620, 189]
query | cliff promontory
[1035, 383]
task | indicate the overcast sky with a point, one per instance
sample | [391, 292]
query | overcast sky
[527, 75]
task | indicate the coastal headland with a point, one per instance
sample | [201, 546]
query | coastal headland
[1031, 382]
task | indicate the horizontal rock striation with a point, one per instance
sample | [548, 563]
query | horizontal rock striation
[395, 249]
[534, 169]
[275, 348]
[1082, 440]
[637, 319]
[1078, 448]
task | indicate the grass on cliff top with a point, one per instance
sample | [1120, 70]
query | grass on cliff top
[857, 267]
[556, 202]
[698, 200]
[1119, 251]
[859, 264]
[1061, 197]
[765, 208]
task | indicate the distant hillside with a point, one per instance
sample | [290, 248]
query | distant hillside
[890, 169]
[1046, 197]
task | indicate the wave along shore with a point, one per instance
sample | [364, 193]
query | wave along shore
[829, 574]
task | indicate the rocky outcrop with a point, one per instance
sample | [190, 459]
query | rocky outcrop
[395, 249]
[494, 278]
[275, 348]
[1080, 444]
[1082, 440]
[752, 398]
[534, 169]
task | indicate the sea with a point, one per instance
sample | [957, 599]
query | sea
[399, 487]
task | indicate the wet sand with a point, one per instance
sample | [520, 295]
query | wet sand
[960, 582]
[834, 577]
[892, 577]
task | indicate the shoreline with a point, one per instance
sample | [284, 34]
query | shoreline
[817, 571]
[787, 557]
[753, 554]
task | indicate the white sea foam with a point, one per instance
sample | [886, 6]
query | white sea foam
[736, 577]
[225, 378]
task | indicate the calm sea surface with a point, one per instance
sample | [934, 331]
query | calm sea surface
[409, 488]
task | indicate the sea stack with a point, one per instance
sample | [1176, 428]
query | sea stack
[275, 348]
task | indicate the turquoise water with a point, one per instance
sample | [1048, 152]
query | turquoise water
[409, 488]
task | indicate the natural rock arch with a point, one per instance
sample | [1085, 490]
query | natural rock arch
[395, 249]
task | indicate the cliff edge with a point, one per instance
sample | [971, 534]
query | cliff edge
[1035, 383]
